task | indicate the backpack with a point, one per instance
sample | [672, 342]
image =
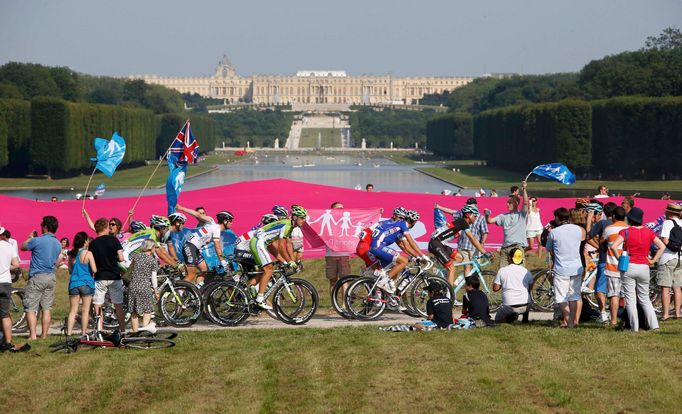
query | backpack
[675, 239]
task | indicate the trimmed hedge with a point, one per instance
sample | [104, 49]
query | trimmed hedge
[203, 129]
[451, 135]
[63, 133]
[524, 136]
[637, 137]
[15, 134]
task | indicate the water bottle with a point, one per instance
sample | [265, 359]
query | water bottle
[406, 281]
[459, 279]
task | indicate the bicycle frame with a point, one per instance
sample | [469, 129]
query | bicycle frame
[475, 269]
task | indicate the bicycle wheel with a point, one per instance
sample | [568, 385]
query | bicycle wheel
[227, 303]
[363, 302]
[494, 298]
[109, 320]
[157, 334]
[182, 308]
[296, 301]
[418, 295]
[16, 310]
[541, 290]
[337, 295]
[64, 346]
[141, 342]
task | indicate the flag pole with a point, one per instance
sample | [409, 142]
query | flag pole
[87, 187]
[530, 173]
[137, 200]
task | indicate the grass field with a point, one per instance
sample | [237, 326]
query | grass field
[475, 176]
[123, 178]
[509, 369]
[330, 137]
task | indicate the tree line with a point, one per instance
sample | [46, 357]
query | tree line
[380, 128]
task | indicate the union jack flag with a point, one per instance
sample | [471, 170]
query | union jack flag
[185, 148]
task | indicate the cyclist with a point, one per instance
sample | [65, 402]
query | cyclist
[384, 235]
[228, 240]
[207, 232]
[446, 255]
[274, 235]
[280, 211]
[177, 236]
[158, 233]
[364, 246]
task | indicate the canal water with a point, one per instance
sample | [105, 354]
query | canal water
[338, 170]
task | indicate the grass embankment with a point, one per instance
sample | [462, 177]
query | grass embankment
[329, 137]
[123, 178]
[471, 175]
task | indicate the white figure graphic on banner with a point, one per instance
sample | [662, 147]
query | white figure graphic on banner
[327, 219]
[345, 223]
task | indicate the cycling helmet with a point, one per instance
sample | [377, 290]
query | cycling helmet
[177, 217]
[412, 215]
[268, 218]
[299, 211]
[470, 208]
[280, 211]
[400, 212]
[224, 215]
[136, 226]
[159, 221]
[596, 208]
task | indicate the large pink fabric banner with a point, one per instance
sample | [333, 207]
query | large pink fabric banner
[250, 200]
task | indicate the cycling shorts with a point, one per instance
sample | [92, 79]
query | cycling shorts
[192, 254]
[363, 252]
[385, 254]
[260, 252]
[444, 254]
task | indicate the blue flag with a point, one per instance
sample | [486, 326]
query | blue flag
[109, 153]
[184, 149]
[439, 219]
[556, 171]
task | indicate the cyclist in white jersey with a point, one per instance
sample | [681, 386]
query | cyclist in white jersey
[207, 232]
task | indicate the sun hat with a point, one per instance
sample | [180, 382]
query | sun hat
[673, 208]
[635, 216]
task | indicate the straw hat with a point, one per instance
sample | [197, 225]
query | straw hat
[674, 208]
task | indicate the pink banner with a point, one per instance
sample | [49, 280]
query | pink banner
[339, 228]
[250, 200]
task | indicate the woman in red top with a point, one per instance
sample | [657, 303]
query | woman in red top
[637, 241]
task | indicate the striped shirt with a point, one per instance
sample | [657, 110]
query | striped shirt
[610, 235]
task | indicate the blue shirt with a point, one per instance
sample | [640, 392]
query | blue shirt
[81, 275]
[177, 239]
[564, 243]
[388, 232]
[228, 238]
[45, 251]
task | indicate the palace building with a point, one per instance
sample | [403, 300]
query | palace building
[308, 86]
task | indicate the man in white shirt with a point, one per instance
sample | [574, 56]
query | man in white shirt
[514, 280]
[670, 266]
[9, 260]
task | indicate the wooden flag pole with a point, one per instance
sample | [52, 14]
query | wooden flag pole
[137, 200]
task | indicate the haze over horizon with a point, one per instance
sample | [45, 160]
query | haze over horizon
[264, 37]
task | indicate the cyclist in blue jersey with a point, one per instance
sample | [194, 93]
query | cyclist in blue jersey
[176, 238]
[228, 239]
[384, 235]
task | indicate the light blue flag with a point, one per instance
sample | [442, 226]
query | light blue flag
[109, 153]
[439, 219]
[556, 171]
[176, 178]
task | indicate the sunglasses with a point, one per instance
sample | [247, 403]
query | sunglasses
[112, 224]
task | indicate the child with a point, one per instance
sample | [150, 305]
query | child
[143, 292]
[438, 309]
[475, 302]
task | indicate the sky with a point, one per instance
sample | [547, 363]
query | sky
[427, 37]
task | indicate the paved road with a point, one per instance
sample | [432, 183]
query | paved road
[318, 321]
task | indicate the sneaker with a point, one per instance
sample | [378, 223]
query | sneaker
[586, 290]
[200, 285]
[456, 302]
[151, 328]
[605, 317]
[263, 305]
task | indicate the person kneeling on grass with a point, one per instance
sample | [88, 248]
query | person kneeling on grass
[438, 309]
[475, 303]
[514, 280]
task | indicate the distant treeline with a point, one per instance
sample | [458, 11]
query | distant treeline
[259, 128]
[597, 121]
[380, 128]
[53, 136]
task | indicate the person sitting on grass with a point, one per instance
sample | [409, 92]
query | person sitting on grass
[438, 309]
[475, 303]
[514, 281]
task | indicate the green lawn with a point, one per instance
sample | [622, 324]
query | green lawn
[509, 369]
[330, 137]
[475, 176]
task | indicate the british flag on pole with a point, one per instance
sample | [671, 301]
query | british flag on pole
[184, 150]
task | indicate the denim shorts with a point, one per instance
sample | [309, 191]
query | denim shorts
[82, 290]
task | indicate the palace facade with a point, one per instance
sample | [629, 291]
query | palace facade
[308, 86]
